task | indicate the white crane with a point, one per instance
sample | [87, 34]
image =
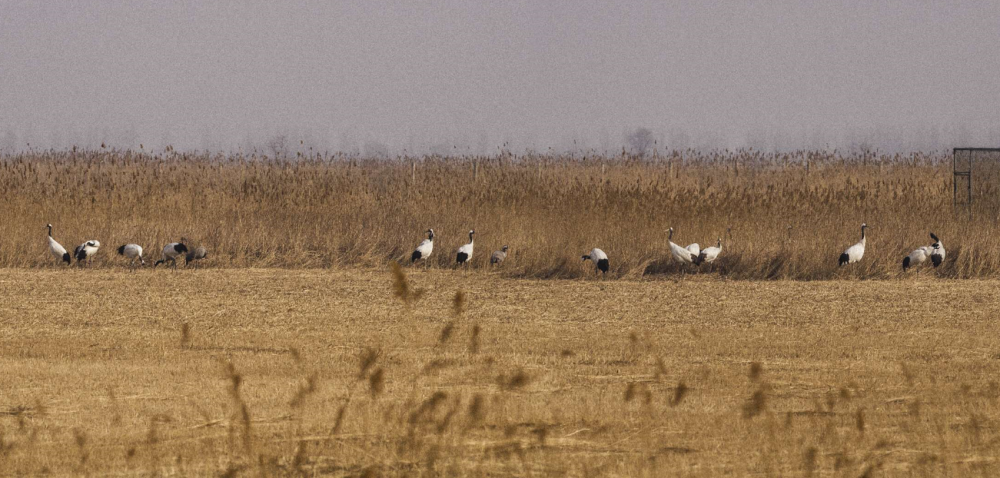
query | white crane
[57, 250]
[695, 250]
[600, 260]
[132, 252]
[171, 252]
[917, 257]
[465, 252]
[710, 254]
[680, 254]
[423, 251]
[856, 252]
[499, 256]
[934, 252]
[86, 251]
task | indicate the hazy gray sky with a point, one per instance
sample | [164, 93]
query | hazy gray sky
[417, 75]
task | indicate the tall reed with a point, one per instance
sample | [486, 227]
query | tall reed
[791, 214]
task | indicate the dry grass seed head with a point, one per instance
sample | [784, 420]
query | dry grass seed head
[519, 379]
[680, 391]
[80, 438]
[368, 358]
[446, 332]
[755, 405]
[458, 303]
[301, 457]
[376, 382]
[474, 339]
[434, 365]
[477, 409]
[445, 422]
[234, 379]
[661, 369]
[427, 408]
[809, 460]
[185, 335]
[402, 288]
[338, 422]
[306, 387]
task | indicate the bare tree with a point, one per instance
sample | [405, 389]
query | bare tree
[640, 141]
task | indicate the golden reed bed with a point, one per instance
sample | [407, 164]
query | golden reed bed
[791, 214]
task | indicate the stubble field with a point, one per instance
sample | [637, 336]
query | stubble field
[251, 372]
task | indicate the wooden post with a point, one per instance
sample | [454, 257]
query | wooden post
[413, 172]
[475, 170]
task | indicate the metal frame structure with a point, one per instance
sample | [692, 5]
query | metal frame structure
[966, 173]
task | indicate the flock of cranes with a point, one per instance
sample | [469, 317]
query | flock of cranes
[935, 252]
[85, 252]
[464, 254]
[693, 254]
[690, 254]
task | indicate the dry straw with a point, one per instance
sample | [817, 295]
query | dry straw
[791, 214]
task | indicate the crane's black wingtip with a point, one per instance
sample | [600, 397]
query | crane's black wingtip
[844, 259]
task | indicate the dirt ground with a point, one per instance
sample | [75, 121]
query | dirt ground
[330, 372]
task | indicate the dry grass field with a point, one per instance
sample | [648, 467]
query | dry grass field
[357, 372]
[791, 214]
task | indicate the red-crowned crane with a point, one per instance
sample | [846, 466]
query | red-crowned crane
[600, 259]
[57, 250]
[856, 252]
[85, 252]
[934, 252]
[710, 254]
[465, 252]
[679, 253]
[424, 250]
